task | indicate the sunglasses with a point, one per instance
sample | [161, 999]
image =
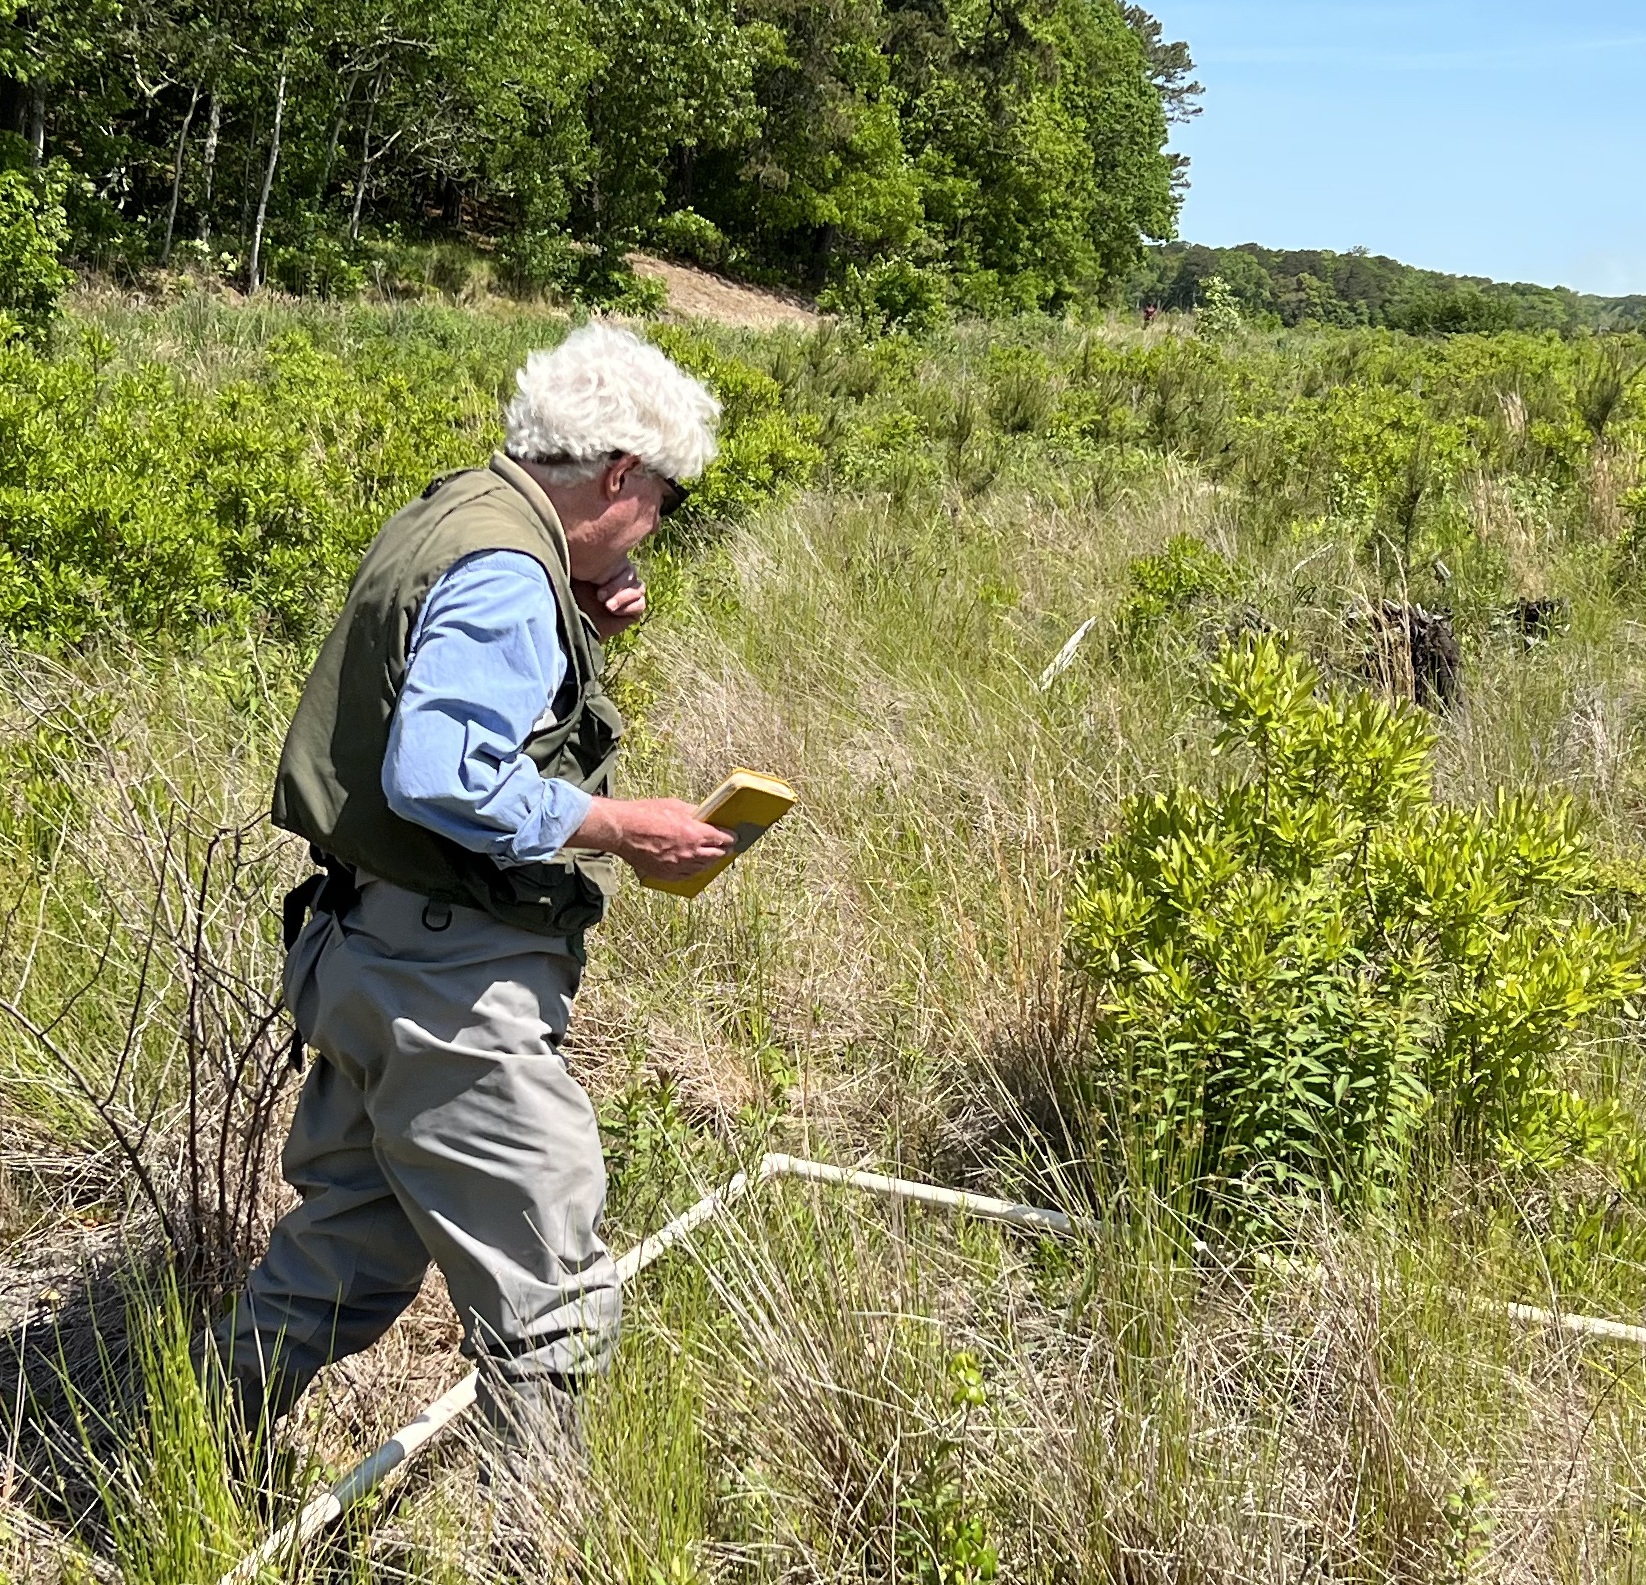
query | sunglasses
[675, 496]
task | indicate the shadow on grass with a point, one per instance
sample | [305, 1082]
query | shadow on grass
[73, 1389]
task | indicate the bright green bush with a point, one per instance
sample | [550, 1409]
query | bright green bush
[324, 267]
[544, 262]
[1369, 452]
[33, 228]
[534, 260]
[1629, 553]
[1176, 395]
[130, 500]
[1218, 315]
[1022, 390]
[132, 496]
[689, 235]
[890, 294]
[1301, 976]
[1186, 574]
[1379, 429]
[1459, 310]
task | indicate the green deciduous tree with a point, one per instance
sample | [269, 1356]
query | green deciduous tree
[1039, 136]
[673, 81]
[826, 178]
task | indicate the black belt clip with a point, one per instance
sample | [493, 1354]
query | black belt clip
[332, 891]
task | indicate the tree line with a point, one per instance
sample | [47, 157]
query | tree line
[1316, 286]
[988, 155]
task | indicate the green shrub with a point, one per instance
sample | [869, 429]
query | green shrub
[531, 262]
[198, 258]
[33, 227]
[1374, 455]
[1218, 315]
[1304, 974]
[324, 267]
[1610, 372]
[449, 270]
[889, 295]
[1458, 310]
[1629, 553]
[129, 502]
[1186, 574]
[548, 263]
[1022, 391]
[1182, 394]
[689, 235]
[886, 449]
[604, 280]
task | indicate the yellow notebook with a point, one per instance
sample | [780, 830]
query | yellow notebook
[745, 802]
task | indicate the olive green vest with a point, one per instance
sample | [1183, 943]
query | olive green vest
[330, 784]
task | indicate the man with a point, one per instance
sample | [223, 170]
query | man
[450, 759]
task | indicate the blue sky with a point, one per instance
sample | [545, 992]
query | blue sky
[1503, 139]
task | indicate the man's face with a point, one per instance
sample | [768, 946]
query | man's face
[624, 505]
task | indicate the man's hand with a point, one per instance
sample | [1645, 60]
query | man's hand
[661, 839]
[614, 605]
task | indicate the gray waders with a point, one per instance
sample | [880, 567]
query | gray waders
[437, 1122]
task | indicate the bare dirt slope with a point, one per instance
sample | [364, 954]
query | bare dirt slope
[696, 294]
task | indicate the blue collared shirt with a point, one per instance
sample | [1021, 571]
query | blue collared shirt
[485, 662]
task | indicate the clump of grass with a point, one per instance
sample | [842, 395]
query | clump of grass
[159, 1459]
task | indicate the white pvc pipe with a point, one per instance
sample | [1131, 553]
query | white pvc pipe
[330, 1506]
[1065, 656]
[1585, 1325]
[1032, 1218]
[648, 1249]
[1528, 1314]
[409, 1440]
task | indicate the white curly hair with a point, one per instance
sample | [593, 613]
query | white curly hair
[604, 390]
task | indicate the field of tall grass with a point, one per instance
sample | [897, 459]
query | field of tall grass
[1100, 927]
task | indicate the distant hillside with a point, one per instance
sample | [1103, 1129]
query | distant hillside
[1360, 288]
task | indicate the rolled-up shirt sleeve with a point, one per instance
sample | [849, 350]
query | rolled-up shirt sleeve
[485, 662]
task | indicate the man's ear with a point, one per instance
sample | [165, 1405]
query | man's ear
[616, 476]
